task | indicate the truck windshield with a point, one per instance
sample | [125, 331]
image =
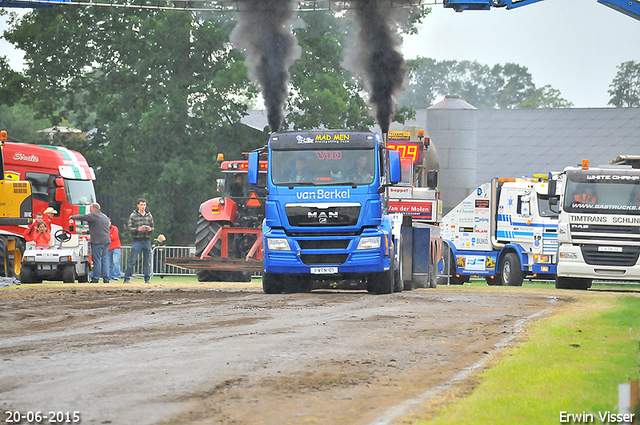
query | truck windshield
[79, 192]
[323, 167]
[603, 193]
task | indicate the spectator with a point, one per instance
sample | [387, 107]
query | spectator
[48, 216]
[31, 230]
[141, 228]
[114, 252]
[100, 241]
[42, 236]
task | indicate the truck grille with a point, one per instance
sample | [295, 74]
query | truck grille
[314, 215]
[314, 259]
[324, 244]
[627, 258]
[588, 232]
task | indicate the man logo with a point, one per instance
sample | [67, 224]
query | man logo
[322, 216]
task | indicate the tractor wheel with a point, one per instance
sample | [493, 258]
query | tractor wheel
[4, 257]
[15, 258]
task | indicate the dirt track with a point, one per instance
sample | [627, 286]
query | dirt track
[198, 355]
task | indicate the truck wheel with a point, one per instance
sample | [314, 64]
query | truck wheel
[433, 275]
[68, 273]
[511, 273]
[4, 257]
[398, 284]
[381, 283]
[573, 283]
[205, 231]
[85, 277]
[271, 283]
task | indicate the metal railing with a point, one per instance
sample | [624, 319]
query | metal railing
[158, 255]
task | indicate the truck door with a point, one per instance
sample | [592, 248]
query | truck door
[524, 226]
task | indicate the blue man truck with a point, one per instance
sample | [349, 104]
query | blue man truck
[326, 217]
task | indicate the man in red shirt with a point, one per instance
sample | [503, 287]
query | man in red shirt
[48, 216]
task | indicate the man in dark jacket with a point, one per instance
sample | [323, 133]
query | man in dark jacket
[100, 240]
[141, 227]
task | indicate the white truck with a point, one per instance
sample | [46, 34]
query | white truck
[599, 227]
[505, 230]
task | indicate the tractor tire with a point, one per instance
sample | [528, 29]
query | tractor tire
[15, 258]
[511, 273]
[4, 258]
[205, 231]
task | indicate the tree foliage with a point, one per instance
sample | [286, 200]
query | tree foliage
[155, 90]
[505, 86]
[625, 87]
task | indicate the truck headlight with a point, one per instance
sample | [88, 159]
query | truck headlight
[542, 258]
[569, 255]
[276, 244]
[370, 242]
[64, 258]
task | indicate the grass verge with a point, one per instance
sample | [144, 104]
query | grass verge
[570, 362]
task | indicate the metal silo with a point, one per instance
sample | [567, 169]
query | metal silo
[452, 125]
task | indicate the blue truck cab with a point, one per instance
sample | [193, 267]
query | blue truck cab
[326, 217]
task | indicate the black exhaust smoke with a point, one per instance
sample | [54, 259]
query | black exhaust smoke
[264, 31]
[378, 58]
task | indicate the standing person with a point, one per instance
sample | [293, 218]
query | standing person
[114, 252]
[141, 227]
[42, 237]
[100, 241]
[48, 216]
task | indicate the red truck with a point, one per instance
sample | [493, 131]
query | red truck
[60, 178]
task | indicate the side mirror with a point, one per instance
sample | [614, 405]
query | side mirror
[60, 194]
[432, 179]
[395, 169]
[254, 167]
[552, 186]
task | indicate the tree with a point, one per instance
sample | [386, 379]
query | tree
[152, 88]
[501, 86]
[625, 87]
[545, 97]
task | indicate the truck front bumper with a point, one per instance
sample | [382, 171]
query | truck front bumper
[571, 263]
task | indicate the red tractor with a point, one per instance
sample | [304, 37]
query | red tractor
[229, 227]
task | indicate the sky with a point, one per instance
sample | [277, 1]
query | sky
[573, 45]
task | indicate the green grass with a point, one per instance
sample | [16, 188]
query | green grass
[533, 382]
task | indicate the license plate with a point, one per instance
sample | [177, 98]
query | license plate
[610, 248]
[324, 270]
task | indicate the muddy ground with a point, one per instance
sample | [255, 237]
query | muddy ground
[155, 354]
